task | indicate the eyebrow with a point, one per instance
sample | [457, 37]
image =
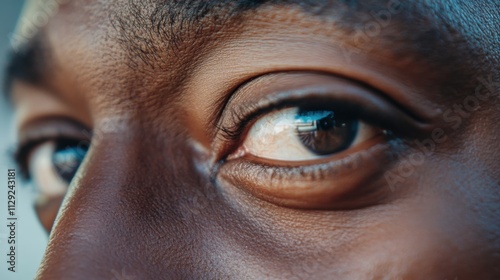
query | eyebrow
[149, 29]
[146, 27]
[28, 63]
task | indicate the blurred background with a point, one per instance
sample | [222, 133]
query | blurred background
[31, 239]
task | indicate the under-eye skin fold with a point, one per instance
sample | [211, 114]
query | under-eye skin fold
[311, 141]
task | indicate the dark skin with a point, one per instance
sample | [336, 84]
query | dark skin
[175, 183]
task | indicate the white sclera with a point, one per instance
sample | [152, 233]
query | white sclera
[45, 175]
[274, 136]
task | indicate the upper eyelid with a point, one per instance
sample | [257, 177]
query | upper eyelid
[53, 126]
[266, 105]
[270, 86]
[266, 79]
[368, 105]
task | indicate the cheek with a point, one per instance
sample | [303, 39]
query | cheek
[413, 244]
[409, 241]
[438, 228]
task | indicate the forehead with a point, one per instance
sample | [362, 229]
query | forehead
[148, 28]
[150, 40]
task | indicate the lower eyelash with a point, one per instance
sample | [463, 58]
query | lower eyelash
[242, 121]
[331, 180]
[388, 151]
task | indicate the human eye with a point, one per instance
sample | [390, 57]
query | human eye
[305, 134]
[313, 141]
[49, 155]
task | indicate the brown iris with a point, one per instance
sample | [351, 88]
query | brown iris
[325, 132]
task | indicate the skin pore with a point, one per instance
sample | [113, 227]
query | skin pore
[181, 118]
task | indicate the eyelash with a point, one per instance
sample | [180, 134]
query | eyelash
[243, 118]
[22, 151]
[242, 121]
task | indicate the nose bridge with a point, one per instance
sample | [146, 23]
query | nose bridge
[114, 202]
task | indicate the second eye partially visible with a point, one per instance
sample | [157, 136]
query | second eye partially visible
[49, 154]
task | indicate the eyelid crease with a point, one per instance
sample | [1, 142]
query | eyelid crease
[269, 77]
[53, 123]
[242, 116]
[307, 90]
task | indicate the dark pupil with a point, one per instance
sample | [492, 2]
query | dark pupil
[67, 158]
[324, 132]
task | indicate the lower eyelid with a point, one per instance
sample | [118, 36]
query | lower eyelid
[318, 169]
[378, 140]
[326, 181]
